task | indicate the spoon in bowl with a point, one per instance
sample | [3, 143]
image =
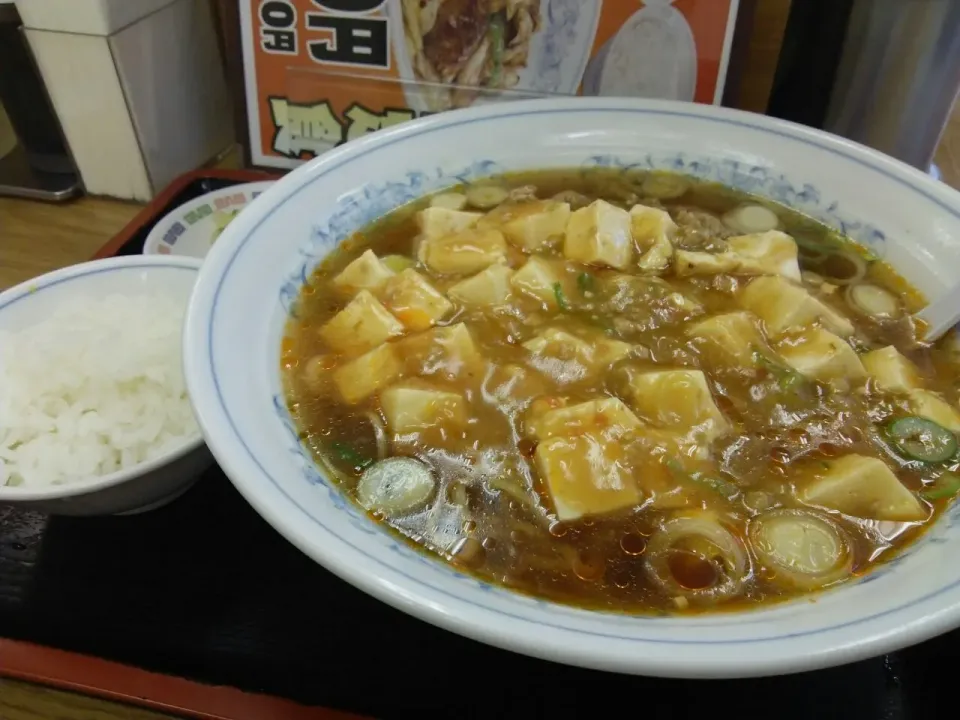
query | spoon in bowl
[941, 315]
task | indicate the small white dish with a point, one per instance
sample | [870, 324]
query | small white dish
[149, 484]
[252, 275]
[192, 228]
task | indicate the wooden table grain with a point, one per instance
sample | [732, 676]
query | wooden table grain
[38, 237]
[22, 701]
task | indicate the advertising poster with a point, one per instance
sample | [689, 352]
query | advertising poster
[319, 73]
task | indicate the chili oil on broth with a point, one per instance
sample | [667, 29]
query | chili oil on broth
[791, 479]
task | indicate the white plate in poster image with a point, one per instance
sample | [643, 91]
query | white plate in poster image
[193, 227]
[654, 55]
[538, 47]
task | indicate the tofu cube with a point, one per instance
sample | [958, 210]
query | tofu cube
[782, 305]
[768, 253]
[463, 253]
[681, 302]
[457, 345]
[367, 272]
[607, 417]
[821, 355]
[560, 344]
[437, 222]
[531, 226]
[512, 387]
[692, 262]
[566, 358]
[362, 325]
[446, 351]
[562, 357]
[363, 376]
[490, 288]
[537, 279]
[414, 301]
[932, 407]
[599, 234]
[585, 475]
[735, 336]
[606, 351]
[677, 400]
[653, 231]
[862, 487]
[412, 408]
[891, 370]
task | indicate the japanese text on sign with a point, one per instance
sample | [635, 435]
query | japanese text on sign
[315, 127]
[344, 34]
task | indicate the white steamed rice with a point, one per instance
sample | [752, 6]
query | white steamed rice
[95, 387]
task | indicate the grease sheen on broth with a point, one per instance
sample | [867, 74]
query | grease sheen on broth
[634, 392]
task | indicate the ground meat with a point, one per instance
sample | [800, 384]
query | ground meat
[524, 193]
[699, 230]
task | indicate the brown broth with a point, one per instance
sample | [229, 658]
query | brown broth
[489, 488]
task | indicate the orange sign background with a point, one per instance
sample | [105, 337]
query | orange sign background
[300, 105]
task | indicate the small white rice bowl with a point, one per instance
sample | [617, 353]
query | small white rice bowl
[93, 407]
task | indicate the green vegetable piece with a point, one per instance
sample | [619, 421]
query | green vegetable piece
[787, 378]
[947, 485]
[917, 438]
[349, 455]
[719, 485]
[497, 33]
[585, 281]
[561, 298]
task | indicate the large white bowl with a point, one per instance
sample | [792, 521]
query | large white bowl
[147, 485]
[254, 271]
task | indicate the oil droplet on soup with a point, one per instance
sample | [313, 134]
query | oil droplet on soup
[625, 390]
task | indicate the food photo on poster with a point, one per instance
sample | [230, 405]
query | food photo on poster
[320, 73]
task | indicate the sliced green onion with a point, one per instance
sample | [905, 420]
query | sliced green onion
[486, 197]
[396, 486]
[585, 282]
[842, 267]
[719, 485]
[751, 219]
[947, 485]
[348, 455]
[787, 378]
[920, 439]
[873, 301]
[561, 298]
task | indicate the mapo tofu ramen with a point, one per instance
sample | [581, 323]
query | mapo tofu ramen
[637, 393]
